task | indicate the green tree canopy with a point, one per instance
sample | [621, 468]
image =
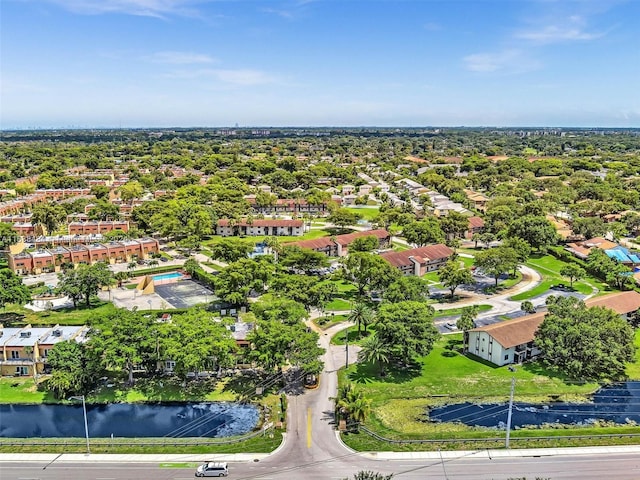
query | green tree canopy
[453, 274]
[497, 261]
[369, 271]
[407, 329]
[12, 290]
[341, 217]
[230, 249]
[536, 231]
[407, 288]
[74, 369]
[585, 343]
[196, 342]
[85, 281]
[424, 232]
[125, 339]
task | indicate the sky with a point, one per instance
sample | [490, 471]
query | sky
[270, 63]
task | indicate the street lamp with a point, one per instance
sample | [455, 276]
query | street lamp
[86, 425]
[513, 387]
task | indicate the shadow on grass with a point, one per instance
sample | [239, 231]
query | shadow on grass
[537, 368]
[11, 319]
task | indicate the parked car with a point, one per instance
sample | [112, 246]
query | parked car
[311, 380]
[450, 326]
[212, 469]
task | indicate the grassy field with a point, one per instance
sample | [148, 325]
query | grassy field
[14, 315]
[458, 311]
[401, 398]
[311, 234]
[368, 213]
[259, 444]
[329, 321]
[549, 268]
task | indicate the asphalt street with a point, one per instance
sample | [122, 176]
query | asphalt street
[469, 467]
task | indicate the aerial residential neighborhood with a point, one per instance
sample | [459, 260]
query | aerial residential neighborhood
[322, 240]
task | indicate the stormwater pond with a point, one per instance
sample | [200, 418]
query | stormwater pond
[128, 420]
[619, 403]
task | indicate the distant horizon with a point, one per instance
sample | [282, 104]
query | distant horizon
[345, 127]
[85, 64]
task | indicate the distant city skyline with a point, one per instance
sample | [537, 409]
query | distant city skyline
[314, 63]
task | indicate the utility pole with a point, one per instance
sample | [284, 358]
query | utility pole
[513, 388]
[346, 348]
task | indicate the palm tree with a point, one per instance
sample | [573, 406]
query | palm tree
[132, 266]
[352, 404]
[375, 351]
[361, 315]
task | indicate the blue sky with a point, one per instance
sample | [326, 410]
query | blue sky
[162, 63]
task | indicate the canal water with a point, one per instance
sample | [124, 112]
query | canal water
[128, 420]
[618, 403]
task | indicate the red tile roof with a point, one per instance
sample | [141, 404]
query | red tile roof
[522, 330]
[476, 222]
[421, 254]
[261, 222]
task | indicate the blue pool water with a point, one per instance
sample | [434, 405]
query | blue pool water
[167, 276]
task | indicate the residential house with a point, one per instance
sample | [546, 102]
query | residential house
[27, 348]
[512, 341]
[293, 228]
[339, 246]
[476, 226]
[418, 261]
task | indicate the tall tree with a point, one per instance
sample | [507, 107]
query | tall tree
[453, 274]
[375, 351]
[230, 249]
[85, 281]
[424, 232]
[573, 272]
[8, 236]
[407, 288]
[361, 315]
[126, 339]
[74, 369]
[585, 343]
[369, 271]
[343, 218]
[497, 261]
[537, 231]
[407, 329]
[12, 290]
[235, 283]
[48, 215]
[454, 225]
[197, 342]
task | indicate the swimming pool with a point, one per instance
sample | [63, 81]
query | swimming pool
[167, 276]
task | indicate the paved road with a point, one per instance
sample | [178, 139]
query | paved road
[471, 466]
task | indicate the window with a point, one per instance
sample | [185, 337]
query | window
[15, 354]
[506, 357]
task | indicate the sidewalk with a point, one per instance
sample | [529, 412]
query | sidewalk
[252, 457]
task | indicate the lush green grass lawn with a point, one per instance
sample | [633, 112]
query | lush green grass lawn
[311, 234]
[633, 369]
[22, 390]
[338, 305]
[458, 311]
[400, 399]
[368, 213]
[549, 267]
[16, 315]
[329, 321]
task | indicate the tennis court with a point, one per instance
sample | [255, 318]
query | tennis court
[185, 294]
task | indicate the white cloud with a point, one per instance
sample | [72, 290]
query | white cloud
[570, 30]
[238, 77]
[180, 58]
[506, 61]
[149, 8]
